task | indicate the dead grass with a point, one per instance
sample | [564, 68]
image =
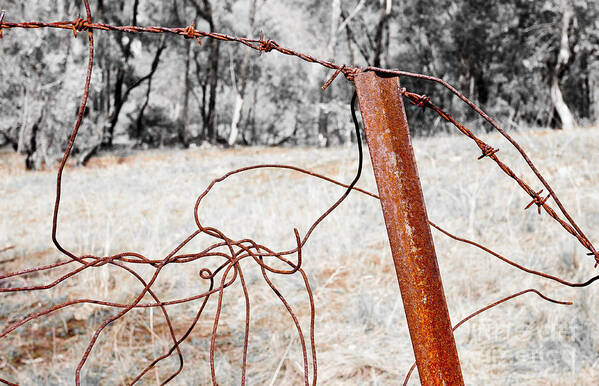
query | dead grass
[144, 203]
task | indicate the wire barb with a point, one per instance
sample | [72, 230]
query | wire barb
[332, 78]
[79, 25]
[595, 254]
[536, 199]
[351, 72]
[190, 33]
[417, 99]
[266, 45]
[570, 225]
[488, 151]
[1, 22]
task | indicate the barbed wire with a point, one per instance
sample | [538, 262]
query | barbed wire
[267, 45]
[235, 252]
[490, 152]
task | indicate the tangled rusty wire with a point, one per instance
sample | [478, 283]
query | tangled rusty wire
[234, 252]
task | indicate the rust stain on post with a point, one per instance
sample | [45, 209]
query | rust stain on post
[388, 138]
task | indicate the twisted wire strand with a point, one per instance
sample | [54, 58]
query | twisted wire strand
[235, 252]
[490, 152]
[349, 72]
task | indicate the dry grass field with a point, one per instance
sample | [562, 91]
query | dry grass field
[143, 202]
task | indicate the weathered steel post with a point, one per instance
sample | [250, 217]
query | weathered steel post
[388, 138]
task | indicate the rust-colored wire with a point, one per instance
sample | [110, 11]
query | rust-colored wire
[234, 253]
[246, 248]
[494, 304]
[490, 152]
[349, 72]
[260, 250]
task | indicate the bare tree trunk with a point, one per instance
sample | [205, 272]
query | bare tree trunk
[184, 135]
[140, 115]
[205, 13]
[350, 34]
[241, 82]
[213, 76]
[120, 97]
[28, 141]
[386, 6]
[31, 161]
[562, 109]
[235, 119]
[24, 123]
[323, 113]
[350, 49]
[563, 61]
[335, 16]
[251, 121]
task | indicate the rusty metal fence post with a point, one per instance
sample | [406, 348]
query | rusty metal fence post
[387, 134]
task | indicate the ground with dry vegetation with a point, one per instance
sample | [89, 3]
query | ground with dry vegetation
[144, 202]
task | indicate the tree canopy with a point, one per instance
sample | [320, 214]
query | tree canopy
[529, 63]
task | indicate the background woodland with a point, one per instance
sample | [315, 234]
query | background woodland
[528, 63]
